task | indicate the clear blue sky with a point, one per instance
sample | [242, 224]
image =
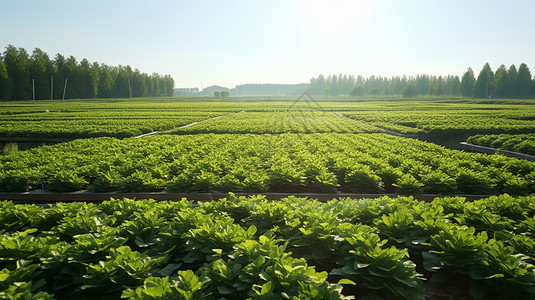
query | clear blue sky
[277, 41]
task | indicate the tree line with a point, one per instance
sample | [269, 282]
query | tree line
[504, 83]
[23, 75]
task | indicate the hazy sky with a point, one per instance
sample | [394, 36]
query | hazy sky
[234, 42]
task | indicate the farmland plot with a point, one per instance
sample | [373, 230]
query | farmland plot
[296, 248]
[329, 162]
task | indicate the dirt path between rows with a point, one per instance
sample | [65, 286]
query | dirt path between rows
[184, 126]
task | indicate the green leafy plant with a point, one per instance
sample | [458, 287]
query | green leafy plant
[408, 185]
[66, 181]
[123, 268]
[19, 283]
[188, 286]
[381, 272]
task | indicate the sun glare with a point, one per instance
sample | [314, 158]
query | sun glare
[333, 18]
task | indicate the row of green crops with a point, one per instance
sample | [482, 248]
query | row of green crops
[126, 117]
[295, 121]
[437, 119]
[99, 122]
[93, 118]
[357, 163]
[523, 143]
[296, 248]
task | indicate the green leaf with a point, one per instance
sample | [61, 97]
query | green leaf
[169, 269]
[346, 281]
[251, 231]
[266, 288]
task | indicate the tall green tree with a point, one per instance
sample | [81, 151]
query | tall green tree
[139, 84]
[41, 71]
[484, 83]
[468, 83]
[106, 81]
[94, 79]
[60, 64]
[170, 84]
[512, 81]
[500, 85]
[84, 79]
[397, 85]
[6, 88]
[452, 85]
[17, 64]
[524, 81]
[84, 76]
[438, 86]
[422, 84]
[73, 76]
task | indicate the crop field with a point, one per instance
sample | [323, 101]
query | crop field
[296, 248]
[94, 119]
[388, 247]
[523, 143]
[301, 121]
[358, 163]
[451, 118]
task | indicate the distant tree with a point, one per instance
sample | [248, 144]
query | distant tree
[84, 79]
[512, 81]
[106, 81]
[452, 85]
[318, 85]
[334, 88]
[5, 82]
[73, 76]
[139, 84]
[170, 82]
[224, 94]
[410, 91]
[84, 75]
[122, 84]
[422, 84]
[374, 92]
[217, 94]
[41, 69]
[60, 64]
[17, 64]
[94, 79]
[397, 85]
[500, 84]
[468, 82]
[524, 82]
[357, 91]
[484, 82]
[438, 86]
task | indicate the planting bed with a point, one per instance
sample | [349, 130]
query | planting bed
[248, 247]
[326, 163]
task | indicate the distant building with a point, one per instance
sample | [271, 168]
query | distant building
[269, 89]
[209, 91]
[182, 92]
[246, 90]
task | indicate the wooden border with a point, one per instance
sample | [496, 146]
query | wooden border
[489, 150]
